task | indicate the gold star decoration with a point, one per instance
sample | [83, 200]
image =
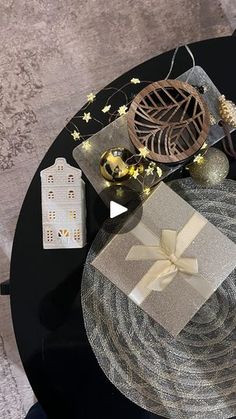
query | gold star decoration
[143, 152]
[87, 117]
[106, 108]
[119, 192]
[146, 191]
[91, 97]
[86, 145]
[135, 80]
[198, 159]
[204, 146]
[122, 110]
[159, 171]
[135, 173]
[149, 170]
[75, 135]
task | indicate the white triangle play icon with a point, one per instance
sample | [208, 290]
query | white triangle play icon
[116, 209]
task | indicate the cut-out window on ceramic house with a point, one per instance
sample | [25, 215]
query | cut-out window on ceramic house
[50, 195]
[51, 215]
[71, 194]
[49, 235]
[50, 179]
[77, 234]
[72, 215]
[63, 233]
[60, 167]
[70, 178]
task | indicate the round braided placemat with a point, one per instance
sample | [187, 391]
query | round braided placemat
[192, 376]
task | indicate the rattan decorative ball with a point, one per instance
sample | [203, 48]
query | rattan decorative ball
[114, 166]
[211, 168]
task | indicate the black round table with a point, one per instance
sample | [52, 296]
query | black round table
[45, 284]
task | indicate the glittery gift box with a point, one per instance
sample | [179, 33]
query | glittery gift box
[171, 262]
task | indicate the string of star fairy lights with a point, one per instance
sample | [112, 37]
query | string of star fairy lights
[151, 173]
[173, 62]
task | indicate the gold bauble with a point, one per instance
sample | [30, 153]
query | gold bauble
[227, 110]
[211, 168]
[114, 166]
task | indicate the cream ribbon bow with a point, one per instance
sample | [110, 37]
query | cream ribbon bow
[168, 260]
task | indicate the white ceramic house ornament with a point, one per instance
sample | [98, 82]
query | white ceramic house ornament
[63, 206]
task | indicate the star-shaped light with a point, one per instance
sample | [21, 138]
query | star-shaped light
[119, 192]
[91, 97]
[199, 159]
[204, 146]
[135, 173]
[159, 171]
[106, 108]
[87, 117]
[75, 135]
[135, 80]
[149, 170]
[86, 145]
[146, 191]
[143, 152]
[122, 110]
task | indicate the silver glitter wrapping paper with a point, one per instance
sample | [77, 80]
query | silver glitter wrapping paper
[191, 376]
[179, 301]
[116, 135]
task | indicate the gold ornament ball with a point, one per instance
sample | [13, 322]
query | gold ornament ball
[114, 166]
[211, 169]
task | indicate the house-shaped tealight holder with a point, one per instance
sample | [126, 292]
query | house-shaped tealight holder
[63, 206]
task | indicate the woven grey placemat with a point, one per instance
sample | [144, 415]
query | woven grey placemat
[192, 376]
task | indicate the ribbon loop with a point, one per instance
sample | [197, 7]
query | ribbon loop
[187, 265]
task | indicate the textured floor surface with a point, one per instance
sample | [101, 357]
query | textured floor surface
[52, 54]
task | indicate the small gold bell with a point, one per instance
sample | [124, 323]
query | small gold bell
[227, 110]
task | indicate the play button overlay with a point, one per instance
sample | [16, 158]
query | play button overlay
[123, 207]
[116, 209]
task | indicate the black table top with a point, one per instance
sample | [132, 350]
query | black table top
[45, 284]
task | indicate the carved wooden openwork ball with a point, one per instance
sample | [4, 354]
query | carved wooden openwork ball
[171, 119]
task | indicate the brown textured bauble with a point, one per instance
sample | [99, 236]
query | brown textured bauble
[211, 169]
[114, 166]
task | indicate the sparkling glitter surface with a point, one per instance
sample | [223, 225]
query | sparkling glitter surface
[193, 375]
